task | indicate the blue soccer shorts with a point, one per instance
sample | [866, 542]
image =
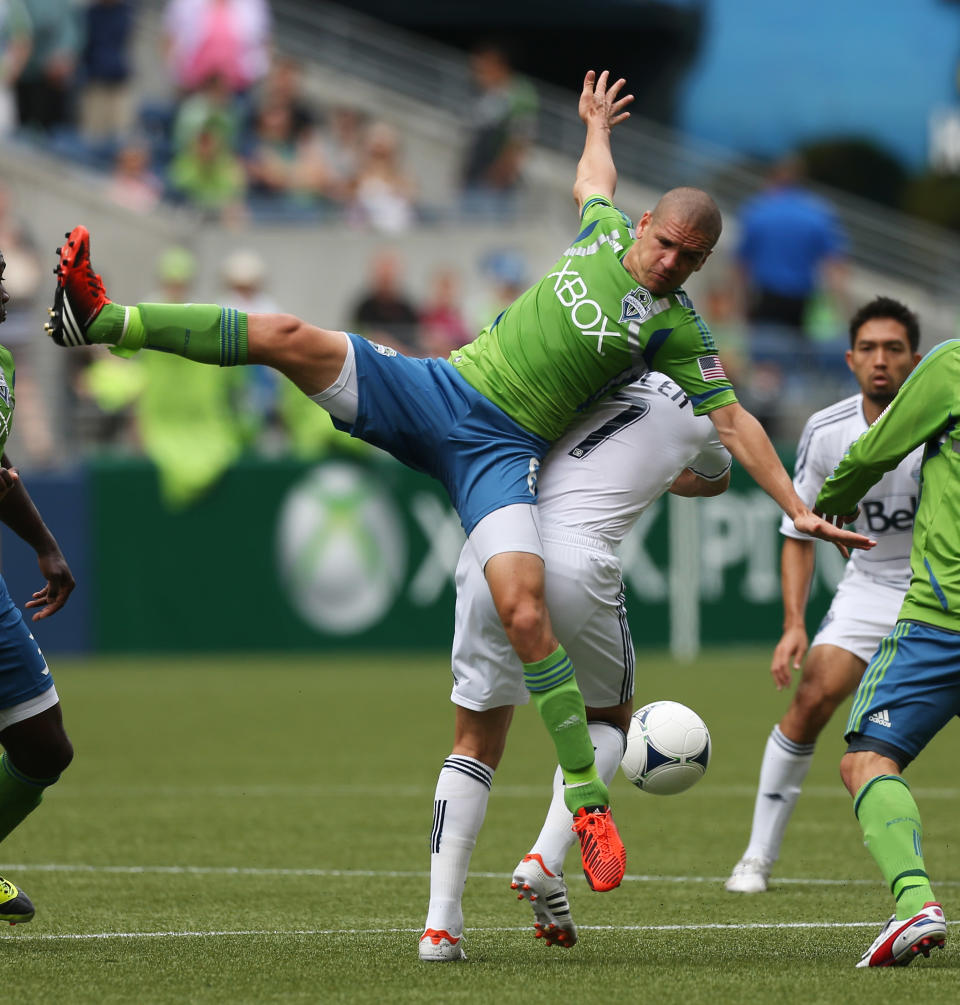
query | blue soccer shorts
[909, 692]
[427, 416]
[23, 670]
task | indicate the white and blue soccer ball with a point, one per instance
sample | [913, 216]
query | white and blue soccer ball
[668, 748]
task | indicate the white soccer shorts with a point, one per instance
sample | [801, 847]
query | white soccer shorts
[586, 604]
[863, 612]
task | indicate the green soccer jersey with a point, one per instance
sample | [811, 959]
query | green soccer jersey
[586, 329]
[926, 410]
[6, 395]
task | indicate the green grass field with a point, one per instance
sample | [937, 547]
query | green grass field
[255, 830]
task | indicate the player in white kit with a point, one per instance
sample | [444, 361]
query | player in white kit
[884, 336]
[594, 484]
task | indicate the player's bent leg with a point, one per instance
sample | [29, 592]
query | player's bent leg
[36, 751]
[830, 675]
[460, 803]
[538, 878]
[892, 831]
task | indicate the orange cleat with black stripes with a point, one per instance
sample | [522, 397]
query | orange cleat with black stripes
[601, 851]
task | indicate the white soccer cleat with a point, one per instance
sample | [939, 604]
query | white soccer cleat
[439, 946]
[749, 875]
[900, 941]
[547, 894]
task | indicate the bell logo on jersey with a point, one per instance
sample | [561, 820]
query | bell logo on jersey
[879, 521]
[635, 306]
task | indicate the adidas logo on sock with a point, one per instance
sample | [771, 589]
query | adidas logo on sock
[881, 718]
[573, 720]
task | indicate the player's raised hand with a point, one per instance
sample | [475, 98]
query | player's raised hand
[600, 101]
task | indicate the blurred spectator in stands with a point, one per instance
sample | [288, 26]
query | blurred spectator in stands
[227, 38]
[383, 313]
[442, 324]
[16, 40]
[791, 248]
[383, 195]
[283, 167]
[341, 139]
[502, 122]
[212, 104]
[132, 182]
[283, 85]
[209, 176]
[45, 85]
[106, 101]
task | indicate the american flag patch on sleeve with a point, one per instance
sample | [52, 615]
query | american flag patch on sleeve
[711, 368]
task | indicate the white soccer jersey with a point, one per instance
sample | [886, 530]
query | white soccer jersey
[609, 467]
[886, 513]
[594, 484]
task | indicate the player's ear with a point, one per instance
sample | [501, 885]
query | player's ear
[703, 261]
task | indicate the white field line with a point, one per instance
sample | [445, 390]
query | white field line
[213, 870]
[87, 792]
[300, 932]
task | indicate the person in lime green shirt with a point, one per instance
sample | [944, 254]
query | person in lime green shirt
[911, 687]
[611, 308]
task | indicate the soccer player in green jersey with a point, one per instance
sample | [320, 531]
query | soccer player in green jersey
[911, 688]
[36, 749]
[612, 308]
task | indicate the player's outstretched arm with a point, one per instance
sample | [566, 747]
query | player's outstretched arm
[746, 440]
[19, 513]
[601, 108]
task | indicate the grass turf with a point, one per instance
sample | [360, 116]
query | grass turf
[255, 830]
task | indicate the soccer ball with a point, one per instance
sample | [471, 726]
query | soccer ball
[668, 748]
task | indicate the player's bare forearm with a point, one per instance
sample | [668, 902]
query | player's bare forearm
[601, 108]
[19, 513]
[746, 440]
[796, 574]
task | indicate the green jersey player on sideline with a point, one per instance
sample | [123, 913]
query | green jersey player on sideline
[911, 688]
[36, 749]
[612, 308]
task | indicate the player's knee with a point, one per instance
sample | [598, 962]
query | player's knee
[45, 760]
[525, 624]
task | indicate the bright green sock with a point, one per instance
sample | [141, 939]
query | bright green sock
[892, 832]
[554, 690]
[205, 333]
[19, 795]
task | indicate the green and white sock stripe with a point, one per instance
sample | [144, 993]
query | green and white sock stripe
[233, 336]
[547, 673]
[874, 674]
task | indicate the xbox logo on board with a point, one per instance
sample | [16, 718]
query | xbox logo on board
[341, 549]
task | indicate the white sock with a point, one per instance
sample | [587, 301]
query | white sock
[459, 807]
[557, 835]
[785, 765]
